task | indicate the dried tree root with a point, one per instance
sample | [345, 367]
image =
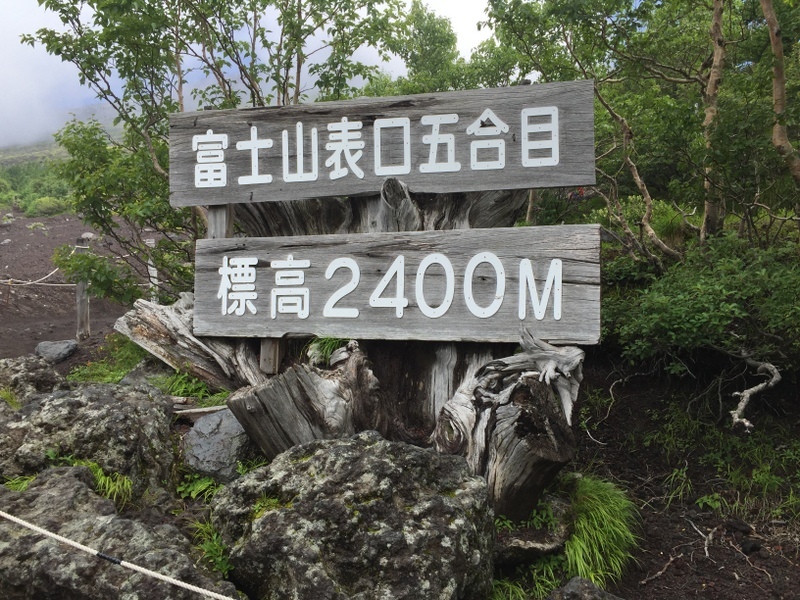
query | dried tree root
[745, 396]
[662, 571]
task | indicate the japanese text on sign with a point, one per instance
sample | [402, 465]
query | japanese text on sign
[472, 284]
[539, 147]
[505, 138]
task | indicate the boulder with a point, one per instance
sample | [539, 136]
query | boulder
[121, 429]
[28, 375]
[579, 588]
[56, 352]
[61, 501]
[215, 444]
[358, 518]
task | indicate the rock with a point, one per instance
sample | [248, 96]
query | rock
[578, 588]
[61, 501]
[5, 242]
[121, 429]
[56, 352]
[215, 444]
[358, 518]
[28, 375]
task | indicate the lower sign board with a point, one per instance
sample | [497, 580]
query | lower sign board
[460, 285]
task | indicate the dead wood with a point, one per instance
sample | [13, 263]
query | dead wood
[166, 333]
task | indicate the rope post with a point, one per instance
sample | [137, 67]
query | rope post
[82, 298]
[152, 272]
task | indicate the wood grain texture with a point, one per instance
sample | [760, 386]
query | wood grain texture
[577, 246]
[575, 166]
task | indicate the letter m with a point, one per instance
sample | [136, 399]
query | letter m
[527, 285]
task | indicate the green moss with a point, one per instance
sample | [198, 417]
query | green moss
[10, 398]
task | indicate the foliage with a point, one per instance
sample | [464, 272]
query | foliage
[731, 297]
[34, 187]
[601, 519]
[116, 487]
[117, 357]
[19, 483]
[106, 277]
[196, 486]
[210, 543]
[185, 385]
[244, 467]
[8, 396]
[319, 349]
[755, 474]
[602, 538]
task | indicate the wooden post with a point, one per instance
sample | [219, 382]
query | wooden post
[220, 225]
[152, 273]
[220, 222]
[82, 298]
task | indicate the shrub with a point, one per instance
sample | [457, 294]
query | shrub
[729, 296]
[46, 206]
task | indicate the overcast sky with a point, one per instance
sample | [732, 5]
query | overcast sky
[39, 91]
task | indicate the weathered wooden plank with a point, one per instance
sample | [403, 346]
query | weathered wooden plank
[533, 137]
[301, 285]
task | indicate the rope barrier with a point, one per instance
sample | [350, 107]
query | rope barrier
[116, 561]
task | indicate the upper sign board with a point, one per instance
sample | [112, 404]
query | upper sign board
[532, 136]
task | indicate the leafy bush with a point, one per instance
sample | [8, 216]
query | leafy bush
[46, 206]
[106, 277]
[729, 296]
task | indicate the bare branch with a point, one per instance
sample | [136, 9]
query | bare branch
[763, 368]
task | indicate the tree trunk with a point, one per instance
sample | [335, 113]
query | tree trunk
[713, 214]
[780, 137]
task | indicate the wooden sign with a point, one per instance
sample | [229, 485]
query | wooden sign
[533, 136]
[458, 285]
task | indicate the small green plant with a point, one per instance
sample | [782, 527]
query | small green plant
[265, 504]
[712, 501]
[506, 589]
[196, 486]
[37, 226]
[119, 357]
[503, 524]
[19, 483]
[8, 396]
[244, 467]
[183, 384]
[319, 349]
[678, 485]
[210, 543]
[116, 487]
[541, 517]
[603, 537]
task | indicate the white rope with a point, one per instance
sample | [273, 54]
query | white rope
[114, 560]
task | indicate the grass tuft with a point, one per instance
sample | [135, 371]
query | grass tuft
[118, 355]
[603, 538]
[211, 545]
[19, 483]
[8, 396]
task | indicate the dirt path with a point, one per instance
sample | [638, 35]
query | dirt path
[30, 314]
